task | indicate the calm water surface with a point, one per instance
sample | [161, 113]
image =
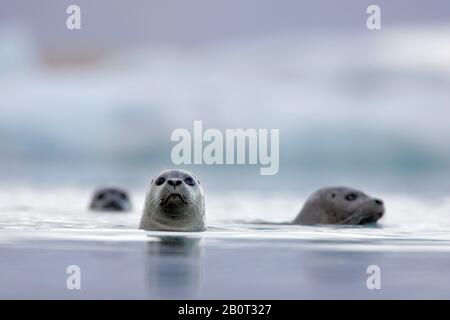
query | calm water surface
[247, 251]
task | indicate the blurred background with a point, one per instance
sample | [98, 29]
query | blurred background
[354, 106]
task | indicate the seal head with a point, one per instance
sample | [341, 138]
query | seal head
[340, 205]
[110, 199]
[175, 202]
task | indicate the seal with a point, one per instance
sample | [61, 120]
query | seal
[340, 205]
[110, 199]
[174, 202]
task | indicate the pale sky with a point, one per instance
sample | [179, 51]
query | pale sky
[112, 23]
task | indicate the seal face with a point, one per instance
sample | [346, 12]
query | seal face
[110, 199]
[175, 202]
[340, 205]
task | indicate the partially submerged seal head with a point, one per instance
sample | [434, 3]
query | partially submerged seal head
[340, 205]
[110, 199]
[174, 202]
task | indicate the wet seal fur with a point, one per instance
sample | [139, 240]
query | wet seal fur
[110, 199]
[174, 202]
[340, 205]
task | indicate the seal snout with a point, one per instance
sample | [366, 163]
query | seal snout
[174, 197]
[114, 205]
[380, 213]
[372, 218]
[376, 212]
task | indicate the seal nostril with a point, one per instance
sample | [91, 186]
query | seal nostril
[113, 205]
[174, 183]
[379, 202]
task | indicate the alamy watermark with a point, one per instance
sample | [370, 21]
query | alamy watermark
[236, 146]
[373, 21]
[374, 280]
[73, 281]
[73, 21]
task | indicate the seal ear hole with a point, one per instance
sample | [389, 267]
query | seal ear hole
[160, 181]
[333, 195]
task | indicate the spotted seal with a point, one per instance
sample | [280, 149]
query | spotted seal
[174, 202]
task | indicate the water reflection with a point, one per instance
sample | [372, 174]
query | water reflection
[173, 267]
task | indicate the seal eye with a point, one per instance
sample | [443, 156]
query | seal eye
[101, 196]
[160, 181]
[351, 197]
[189, 181]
